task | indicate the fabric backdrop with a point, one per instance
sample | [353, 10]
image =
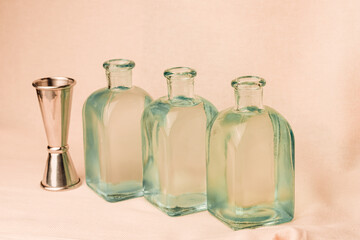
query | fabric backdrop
[308, 51]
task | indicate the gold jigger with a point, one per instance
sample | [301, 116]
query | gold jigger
[54, 95]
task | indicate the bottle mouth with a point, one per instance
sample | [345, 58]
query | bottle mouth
[182, 73]
[119, 64]
[53, 83]
[248, 82]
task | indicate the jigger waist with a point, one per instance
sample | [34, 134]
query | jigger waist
[58, 149]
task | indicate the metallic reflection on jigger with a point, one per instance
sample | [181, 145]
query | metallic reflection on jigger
[54, 95]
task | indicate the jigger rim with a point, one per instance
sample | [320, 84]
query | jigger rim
[49, 83]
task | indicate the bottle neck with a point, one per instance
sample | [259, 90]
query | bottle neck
[119, 78]
[245, 98]
[179, 87]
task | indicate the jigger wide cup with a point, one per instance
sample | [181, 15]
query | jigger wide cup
[54, 95]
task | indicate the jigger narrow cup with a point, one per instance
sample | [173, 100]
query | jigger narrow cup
[54, 95]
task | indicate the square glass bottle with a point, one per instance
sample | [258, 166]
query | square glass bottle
[174, 136]
[250, 161]
[112, 134]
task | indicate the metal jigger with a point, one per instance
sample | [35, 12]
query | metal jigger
[54, 95]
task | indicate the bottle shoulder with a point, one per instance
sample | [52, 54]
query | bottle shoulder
[280, 121]
[231, 116]
[208, 105]
[164, 104]
[275, 114]
[250, 111]
[98, 93]
[139, 91]
[108, 95]
[163, 108]
[97, 97]
[182, 102]
[159, 106]
[105, 101]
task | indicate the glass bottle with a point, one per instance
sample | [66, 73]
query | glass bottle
[174, 136]
[112, 134]
[250, 161]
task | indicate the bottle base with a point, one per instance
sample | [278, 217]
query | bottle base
[179, 205]
[252, 217]
[116, 196]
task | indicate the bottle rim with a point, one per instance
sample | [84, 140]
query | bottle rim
[119, 64]
[180, 72]
[248, 82]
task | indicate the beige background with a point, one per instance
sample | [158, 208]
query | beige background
[308, 51]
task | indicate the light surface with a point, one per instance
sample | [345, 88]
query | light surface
[308, 51]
